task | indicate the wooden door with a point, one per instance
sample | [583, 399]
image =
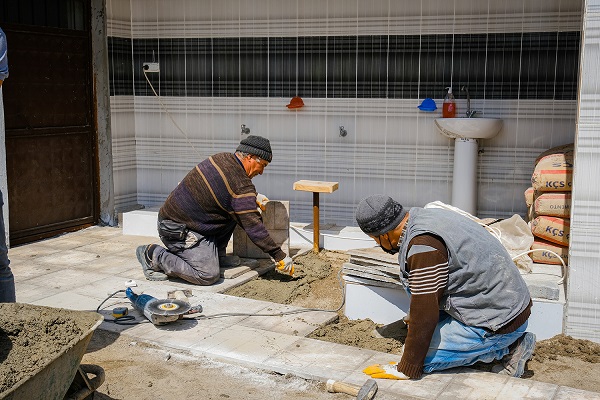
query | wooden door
[50, 126]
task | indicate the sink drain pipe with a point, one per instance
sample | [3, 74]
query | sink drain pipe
[464, 175]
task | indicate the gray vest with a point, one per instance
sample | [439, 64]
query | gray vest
[485, 288]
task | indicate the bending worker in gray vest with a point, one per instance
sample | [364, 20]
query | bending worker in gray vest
[197, 220]
[468, 301]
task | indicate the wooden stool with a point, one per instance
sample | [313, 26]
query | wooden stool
[316, 187]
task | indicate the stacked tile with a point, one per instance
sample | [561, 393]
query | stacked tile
[374, 267]
[549, 204]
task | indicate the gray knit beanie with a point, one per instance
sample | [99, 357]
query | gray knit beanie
[379, 214]
[257, 145]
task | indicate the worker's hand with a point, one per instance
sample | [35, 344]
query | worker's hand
[385, 371]
[261, 201]
[286, 265]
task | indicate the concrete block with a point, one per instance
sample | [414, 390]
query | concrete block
[275, 215]
[281, 218]
[268, 215]
[544, 291]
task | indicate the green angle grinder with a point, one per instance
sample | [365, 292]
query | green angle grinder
[159, 312]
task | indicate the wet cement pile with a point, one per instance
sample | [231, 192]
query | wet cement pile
[566, 346]
[316, 284]
[32, 336]
[281, 288]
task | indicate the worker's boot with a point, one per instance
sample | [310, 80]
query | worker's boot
[144, 256]
[513, 364]
[229, 261]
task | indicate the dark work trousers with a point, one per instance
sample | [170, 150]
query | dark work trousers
[7, 280]
[196, 259]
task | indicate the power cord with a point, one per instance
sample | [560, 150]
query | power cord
[125, 319]
[279, 314]
[130, 319]
[563, 267]
[166, 110]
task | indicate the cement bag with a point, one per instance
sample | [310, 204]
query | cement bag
[514, 234]
[543, 255]
[555, 204]
[562, 149]
[553, 229]
[529, 195]
[554, 172]
[531, 213]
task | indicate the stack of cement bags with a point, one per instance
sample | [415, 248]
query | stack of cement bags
[549, 202]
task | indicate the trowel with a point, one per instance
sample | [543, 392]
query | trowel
[159, 312]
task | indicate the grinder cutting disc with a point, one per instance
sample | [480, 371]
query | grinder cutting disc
[168, 307]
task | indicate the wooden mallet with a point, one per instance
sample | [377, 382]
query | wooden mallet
[366, 392]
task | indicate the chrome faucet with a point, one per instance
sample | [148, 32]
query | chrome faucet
[469, 113]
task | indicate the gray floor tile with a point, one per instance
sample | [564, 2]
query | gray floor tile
[67, 258]
[567, 393]
[26, 270]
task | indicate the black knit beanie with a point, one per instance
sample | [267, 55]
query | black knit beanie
[379, 214]
[257, 145]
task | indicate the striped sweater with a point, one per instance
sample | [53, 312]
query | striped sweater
[215, 193]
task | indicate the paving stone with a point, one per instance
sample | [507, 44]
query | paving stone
[67, 258]
[245, 266]
[567, 393]
[233, 272]
[527, 389]
[69, 300]
[29, 252]
[66, 279]
[26, 270]
[301, 324]
[473, 385]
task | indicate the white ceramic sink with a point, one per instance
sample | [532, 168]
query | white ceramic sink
[469, 128]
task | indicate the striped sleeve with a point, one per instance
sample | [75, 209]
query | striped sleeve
[427, 267]
[429, 276]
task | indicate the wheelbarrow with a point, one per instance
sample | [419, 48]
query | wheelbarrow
[58, 376]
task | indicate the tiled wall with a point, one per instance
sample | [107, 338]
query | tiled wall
[583, 318]
[361, 65]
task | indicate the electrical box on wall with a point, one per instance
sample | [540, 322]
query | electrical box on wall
[151, 67]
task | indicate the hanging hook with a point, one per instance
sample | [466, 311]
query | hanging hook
[343, 132]
[245, 129]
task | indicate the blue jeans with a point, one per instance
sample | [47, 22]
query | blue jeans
[455, 344]
[7, 280]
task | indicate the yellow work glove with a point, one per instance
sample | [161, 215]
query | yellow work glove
[385, 371]
[286, 265]
[261, 201]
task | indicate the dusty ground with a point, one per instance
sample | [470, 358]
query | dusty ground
[140, 371]
[560, 360]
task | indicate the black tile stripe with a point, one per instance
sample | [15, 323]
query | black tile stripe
[541, 65]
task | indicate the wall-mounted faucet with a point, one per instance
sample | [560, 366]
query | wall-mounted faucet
[245, 129]
[469, 113]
